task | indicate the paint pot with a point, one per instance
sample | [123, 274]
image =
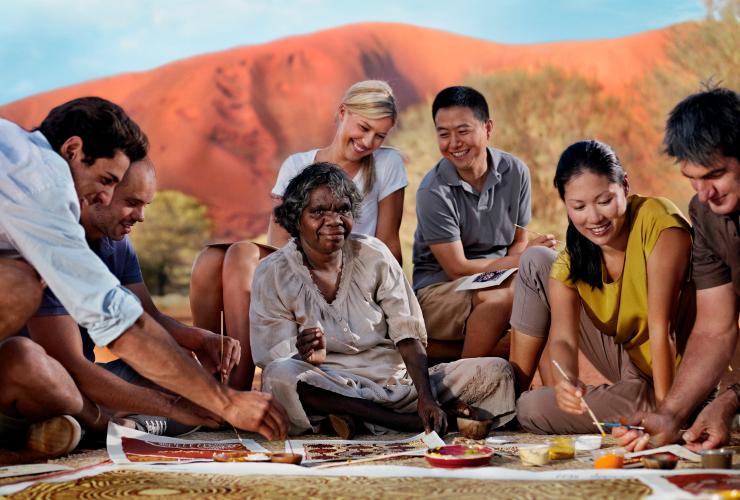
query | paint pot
[286, 458]
[534, 454]
[473, 429]
[562, 447]
[663, 461]
[610, 458]
[716, 459]
[588, 442]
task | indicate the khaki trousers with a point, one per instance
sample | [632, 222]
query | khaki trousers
[537, 410]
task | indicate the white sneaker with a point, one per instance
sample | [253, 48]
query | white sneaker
[161, 426]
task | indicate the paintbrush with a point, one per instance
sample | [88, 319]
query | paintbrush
[369, 459]
[238, 437]
[534, 232]
[222, 347]
[610, 425]
[593, 417]
[630, 427]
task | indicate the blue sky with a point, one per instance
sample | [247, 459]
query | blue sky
[45, 44]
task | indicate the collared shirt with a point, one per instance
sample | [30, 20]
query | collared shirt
[118, 256]
[449, 209]
[716, 251]
[40, 223]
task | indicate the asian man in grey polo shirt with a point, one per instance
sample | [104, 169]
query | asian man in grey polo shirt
[468, 207]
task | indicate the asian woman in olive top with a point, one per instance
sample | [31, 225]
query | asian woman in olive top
[619, 292]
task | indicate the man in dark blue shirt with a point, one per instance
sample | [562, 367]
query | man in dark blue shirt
[115, 389]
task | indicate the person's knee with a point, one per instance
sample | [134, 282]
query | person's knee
[281, 373]
[20, 295]
[30, 373]
[207, 266]
[536, 260]
[496, 301]
[530, 408]
[241, 259]
[20, 357]
[525, 411]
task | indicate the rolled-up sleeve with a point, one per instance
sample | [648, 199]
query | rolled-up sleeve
[399, 304]
[43, 227]
[272, 331]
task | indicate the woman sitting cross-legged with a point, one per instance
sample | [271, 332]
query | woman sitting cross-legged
[338, 331]
[619, 292]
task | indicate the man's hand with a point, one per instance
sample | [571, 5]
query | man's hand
[187, 412]
[712, 427]
[569, 396]
[432, 416]
[310, 341]
[209, 352]
[543, 240]
[660, 428]
[257, 412]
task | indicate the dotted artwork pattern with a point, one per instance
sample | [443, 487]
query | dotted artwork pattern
[339, 451]
[127, 484]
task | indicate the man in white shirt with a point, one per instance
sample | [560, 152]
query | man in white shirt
[77, 155]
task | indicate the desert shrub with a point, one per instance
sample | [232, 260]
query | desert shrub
[175, 229]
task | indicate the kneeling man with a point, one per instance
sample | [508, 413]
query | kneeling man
[115, 387]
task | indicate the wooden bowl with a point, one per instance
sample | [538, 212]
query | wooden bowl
[457, 455]
[660, 461]
[287, 458]
[474, 429]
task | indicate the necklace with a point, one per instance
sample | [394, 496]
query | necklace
[327, 289]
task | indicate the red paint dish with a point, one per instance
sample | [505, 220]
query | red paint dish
[457, 455]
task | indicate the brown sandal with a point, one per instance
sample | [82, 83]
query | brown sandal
[343, 425]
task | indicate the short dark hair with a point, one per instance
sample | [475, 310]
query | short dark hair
[704, 125]
[466, 97]
[600, 159]
[298, 192]
[103, 126]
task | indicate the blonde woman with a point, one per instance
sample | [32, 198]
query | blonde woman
[222, 274]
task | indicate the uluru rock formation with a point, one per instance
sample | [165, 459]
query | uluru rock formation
[220, 124]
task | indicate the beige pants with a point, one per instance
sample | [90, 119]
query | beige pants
[486, 383]
[537, 410]
[445, 310]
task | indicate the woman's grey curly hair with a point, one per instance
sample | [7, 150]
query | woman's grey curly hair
[297, 194]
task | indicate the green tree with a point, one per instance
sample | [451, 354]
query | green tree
[175, 229]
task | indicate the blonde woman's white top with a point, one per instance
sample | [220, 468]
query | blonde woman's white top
[390, 176]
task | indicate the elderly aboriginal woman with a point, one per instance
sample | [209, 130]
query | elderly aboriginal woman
[338, 332]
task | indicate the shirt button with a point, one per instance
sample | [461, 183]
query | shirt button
[344, 329]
